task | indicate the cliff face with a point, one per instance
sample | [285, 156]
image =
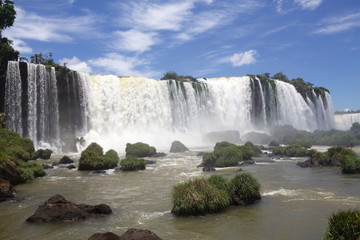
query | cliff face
[57, 107]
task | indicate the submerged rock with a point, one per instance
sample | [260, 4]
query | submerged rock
[177, 146]
[130, 234]
[71, 167]
[104, 236]
[58, 209]
[208, 169]
[160, 154]
[139, 234]
[6, 190]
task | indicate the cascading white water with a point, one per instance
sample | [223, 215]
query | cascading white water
[344, 121]
[40, 121]
[13, 91]
[292, 108]
[114, 110]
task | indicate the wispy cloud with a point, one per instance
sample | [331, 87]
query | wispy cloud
[32, 26]
[279, 8]
[277, 30]
[133, 40]
[114, 63]
[21, 46]
[340, 23]
[75, 64]
[243, 58]
[309, 4]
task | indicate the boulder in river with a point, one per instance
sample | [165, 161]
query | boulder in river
[177, 146]
[130, 234]
[66, 160]
[58, 209]
[6, 190]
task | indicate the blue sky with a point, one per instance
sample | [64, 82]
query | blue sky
[317, 40]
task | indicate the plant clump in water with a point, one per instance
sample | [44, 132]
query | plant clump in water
[200, 196]
[92, 158]
[132, 163]
[140, 149]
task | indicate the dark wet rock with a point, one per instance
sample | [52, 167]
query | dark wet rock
[42, 154]
[6, 190]
[66, 160]
[58, 209]
[160, 154]
[177, 146]
[104, 236]
[99, 172]
[208, 169]
[47, 166]
[150, 162]
[71, 167]
[311, 162]
[139, 234]
[55, 164]
[239, 170]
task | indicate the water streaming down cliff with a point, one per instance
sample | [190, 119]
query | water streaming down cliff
[31, 103]
[115, 110]
[344, 121]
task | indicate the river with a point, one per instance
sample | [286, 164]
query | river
[295, 204]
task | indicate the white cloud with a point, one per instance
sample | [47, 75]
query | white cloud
[243, 58]
[152, 16]
[309, 4]
[340, 23]
[33, 26]
[21, 46]
[77, 65]
[134, 41]
[114, 63]
[279, 6]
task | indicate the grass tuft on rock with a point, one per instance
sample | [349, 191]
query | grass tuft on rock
[344, 225]
[200, 196]
[132, 163]
[92, 158]
[140, 149]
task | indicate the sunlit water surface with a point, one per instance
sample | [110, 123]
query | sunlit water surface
[296, 202]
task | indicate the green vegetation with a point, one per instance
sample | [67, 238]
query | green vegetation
[92, 158]
[177, 146]
[15, 153]
[140, 149]
[42, 153]
[174, 76]
[295, 150]
[274, 143]
[336, 156]
[244, 189]
[227, 154]
[344, 225]
[289, 135]
[201, 196]
[132, 163]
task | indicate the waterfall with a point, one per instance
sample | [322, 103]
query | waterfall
[32, 104]
[13, 91]
[60, 107]
[344, 121]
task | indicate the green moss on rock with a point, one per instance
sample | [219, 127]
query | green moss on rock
[92, 158]
[177, 146]
[140, 149]
[132, 163]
